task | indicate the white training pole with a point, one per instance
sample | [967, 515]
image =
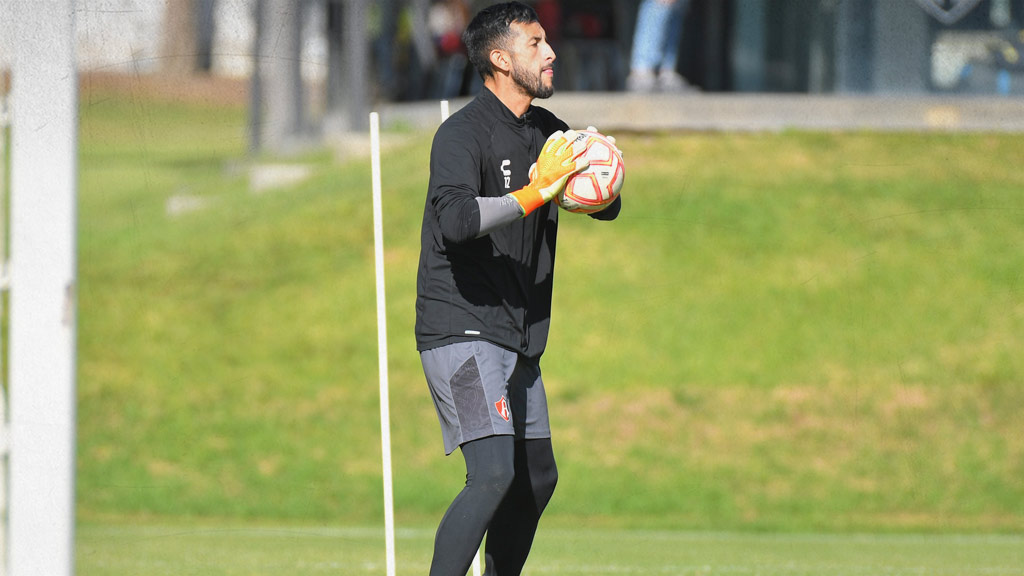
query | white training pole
[4, 425]
[476, 559]
[44, 121]
[382, 344]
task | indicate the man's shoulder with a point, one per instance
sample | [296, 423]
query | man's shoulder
[467, 122]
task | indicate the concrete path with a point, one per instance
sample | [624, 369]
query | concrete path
[620, 111]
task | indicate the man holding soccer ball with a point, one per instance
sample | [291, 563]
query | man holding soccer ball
[484, 289]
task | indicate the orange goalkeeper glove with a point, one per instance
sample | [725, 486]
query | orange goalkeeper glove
[558, 161]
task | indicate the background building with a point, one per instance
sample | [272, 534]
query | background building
[412, 50]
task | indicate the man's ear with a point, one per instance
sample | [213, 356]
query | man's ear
[501, 60]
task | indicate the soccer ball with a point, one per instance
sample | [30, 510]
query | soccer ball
[593, 189]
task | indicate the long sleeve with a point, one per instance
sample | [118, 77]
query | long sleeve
[609, 213]
[455, 185]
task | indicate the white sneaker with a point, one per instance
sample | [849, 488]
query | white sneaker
[641, 81]
[672, 81]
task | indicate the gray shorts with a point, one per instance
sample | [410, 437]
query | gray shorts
[481, 390]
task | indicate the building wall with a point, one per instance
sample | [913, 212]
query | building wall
[124, 36]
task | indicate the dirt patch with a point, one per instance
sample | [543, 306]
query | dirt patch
[191, 89]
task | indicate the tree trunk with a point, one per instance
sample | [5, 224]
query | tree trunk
[179, 47]
[280, 74]
[357, 65]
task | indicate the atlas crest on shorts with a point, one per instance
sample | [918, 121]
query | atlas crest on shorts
[502, 407]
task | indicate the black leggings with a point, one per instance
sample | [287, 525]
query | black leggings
[508, 484]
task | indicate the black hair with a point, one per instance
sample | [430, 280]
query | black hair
[492, 28]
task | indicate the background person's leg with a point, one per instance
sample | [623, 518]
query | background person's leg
[648, 41]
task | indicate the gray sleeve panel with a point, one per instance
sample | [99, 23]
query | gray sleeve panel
[497, 212]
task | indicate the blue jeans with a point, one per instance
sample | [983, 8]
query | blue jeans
[659, 29]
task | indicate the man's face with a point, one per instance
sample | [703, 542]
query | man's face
[532, 59]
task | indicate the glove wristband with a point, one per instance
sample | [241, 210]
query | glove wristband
[529, 199]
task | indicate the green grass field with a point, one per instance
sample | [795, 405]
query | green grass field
[783, 334]
[253, 550]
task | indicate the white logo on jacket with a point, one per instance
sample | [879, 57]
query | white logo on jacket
[508, 173]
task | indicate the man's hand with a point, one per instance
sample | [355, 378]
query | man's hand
[607, 137]
[558, 161]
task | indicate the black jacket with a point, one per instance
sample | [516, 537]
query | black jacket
[495, 288]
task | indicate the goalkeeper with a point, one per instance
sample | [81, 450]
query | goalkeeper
[483, 302]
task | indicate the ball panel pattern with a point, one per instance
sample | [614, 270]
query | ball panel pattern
[596, 187]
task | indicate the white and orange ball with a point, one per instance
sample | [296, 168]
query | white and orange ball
[597, 186]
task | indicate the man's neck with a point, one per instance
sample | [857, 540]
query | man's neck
[510, 94]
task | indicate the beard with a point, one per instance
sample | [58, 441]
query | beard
[531, 84]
